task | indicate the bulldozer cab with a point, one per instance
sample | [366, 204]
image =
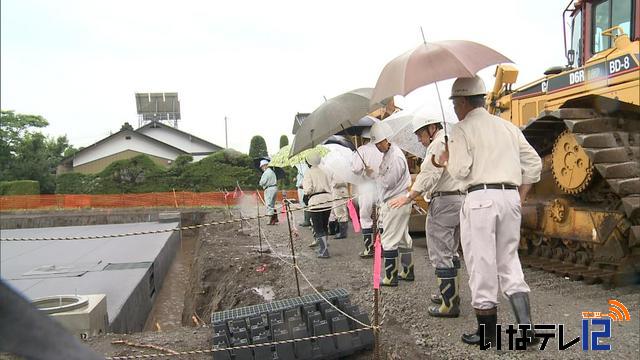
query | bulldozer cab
[594, 26]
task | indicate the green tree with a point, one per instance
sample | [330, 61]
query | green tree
[13, 128]
[126, 126]
[284, 141]
[258, 147]
[29, 155]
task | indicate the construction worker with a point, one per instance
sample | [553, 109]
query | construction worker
[497, 167]
[366, 155]
[393, 179]
[302, 168]
[340, 191]
[443, 219]
[269, 182]
[317, 190]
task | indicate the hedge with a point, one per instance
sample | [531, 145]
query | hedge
[222, 170]
[19, 187]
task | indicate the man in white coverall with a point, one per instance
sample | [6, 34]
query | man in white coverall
[393, 179]
[366, 156]
[497, 167]
[443, 219]
[302, 168]
[340, 191]
[269, 182]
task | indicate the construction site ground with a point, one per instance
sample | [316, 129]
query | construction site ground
[220, 268]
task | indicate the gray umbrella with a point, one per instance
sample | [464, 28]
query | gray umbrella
[334, 115]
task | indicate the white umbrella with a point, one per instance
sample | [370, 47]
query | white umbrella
[403, 136]
[337, 163]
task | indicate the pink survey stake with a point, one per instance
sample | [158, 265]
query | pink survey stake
[354, 216]
[377, 263]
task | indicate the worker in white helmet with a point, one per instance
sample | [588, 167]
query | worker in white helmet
[497, 167]
[365, 156]
[393, 179]
[269, 183]
[443, 220]
[317, 190]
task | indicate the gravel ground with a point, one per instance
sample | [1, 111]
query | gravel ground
[225, 271]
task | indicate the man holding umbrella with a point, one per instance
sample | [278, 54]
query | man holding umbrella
[393, 179]
[497, 166]
[366, 155]
[443, 219]
[269, 182]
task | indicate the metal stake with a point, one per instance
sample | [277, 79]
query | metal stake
[293, 253]
[376, 294]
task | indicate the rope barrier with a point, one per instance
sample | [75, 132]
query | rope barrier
[191, 227]
[252, 346]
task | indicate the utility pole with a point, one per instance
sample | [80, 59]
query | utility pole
[226, 140]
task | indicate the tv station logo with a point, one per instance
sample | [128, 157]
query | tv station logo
[596, 328]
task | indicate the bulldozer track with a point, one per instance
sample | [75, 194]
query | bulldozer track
[612, 144]
[575, 272]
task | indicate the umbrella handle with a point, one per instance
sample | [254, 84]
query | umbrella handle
[433, 157]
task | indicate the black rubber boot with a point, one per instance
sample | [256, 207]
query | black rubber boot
[522, 311]
[333, 227]
[435, 297]
[406, 265]
[323, 249]
[306, 222]
[367, 237]
[390, 275]
[449, 294]
[342, 230]
[488, 318]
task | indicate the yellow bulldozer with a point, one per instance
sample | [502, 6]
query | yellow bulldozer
[582, 219]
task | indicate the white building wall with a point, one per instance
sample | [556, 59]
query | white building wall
[179, 140]
[119, 143]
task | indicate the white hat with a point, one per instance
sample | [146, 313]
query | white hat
[313, 158]
[264, 162]
[380, 131]
[419, 122]
[366, 133]
[468, 87]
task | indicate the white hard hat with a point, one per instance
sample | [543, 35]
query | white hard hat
[380, 131]
[313, 158]
[366, 133]
[264, 162]
[419, 122]
[468, 87]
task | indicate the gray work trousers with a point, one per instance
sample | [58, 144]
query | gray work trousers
[490, 236]
[270, 194]
[443, 230]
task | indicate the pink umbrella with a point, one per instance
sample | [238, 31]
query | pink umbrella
[431, 62]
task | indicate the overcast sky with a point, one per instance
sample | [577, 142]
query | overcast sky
[79, 63]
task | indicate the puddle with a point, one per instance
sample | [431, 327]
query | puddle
[265, 291]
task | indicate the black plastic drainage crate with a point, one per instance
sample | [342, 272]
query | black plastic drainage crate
[288, 319]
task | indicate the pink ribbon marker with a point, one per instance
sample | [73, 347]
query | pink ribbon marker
[377, 262]
[353, 214]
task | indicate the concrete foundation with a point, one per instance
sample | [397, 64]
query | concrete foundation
[129, 270]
